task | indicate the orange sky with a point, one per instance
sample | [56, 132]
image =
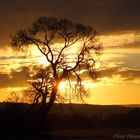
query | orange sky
[118, 25]
[118, 81]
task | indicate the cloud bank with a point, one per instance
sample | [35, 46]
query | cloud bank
[103, 15]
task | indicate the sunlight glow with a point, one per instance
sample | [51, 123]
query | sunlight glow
[121, 51]
[61, 85]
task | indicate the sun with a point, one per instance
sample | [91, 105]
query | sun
[61, 85]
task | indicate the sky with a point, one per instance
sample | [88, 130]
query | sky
[118, 25]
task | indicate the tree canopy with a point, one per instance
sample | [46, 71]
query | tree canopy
[68, 48]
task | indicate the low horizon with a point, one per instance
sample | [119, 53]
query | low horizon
[127, 105]
[118, 28]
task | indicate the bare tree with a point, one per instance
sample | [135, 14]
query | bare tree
[68, 47]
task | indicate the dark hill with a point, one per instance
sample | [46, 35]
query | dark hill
[13, 115]
[91, 116]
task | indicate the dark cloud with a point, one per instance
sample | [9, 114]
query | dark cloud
[127, 74]
[130, 74]
[108, 72]
[15, 79]
[124, 73]
[103, 15]
[19, 77]
[11, 57]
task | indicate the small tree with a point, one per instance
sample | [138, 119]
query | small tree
[68, 47]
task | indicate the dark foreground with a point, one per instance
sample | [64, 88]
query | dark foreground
[72, 122]
[78, 134]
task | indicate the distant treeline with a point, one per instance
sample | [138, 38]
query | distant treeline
[13, 116]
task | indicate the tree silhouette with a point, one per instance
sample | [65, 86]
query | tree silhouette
[68, 47]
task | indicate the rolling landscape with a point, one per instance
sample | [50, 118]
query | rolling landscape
[73, 121]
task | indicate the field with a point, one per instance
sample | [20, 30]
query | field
[78, 134]
[73, 122]
[95, 134]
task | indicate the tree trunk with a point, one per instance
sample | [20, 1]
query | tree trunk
[40, 116]
[51, 102]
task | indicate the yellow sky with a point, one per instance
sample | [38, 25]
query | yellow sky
[118, 67]
[116, 94]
